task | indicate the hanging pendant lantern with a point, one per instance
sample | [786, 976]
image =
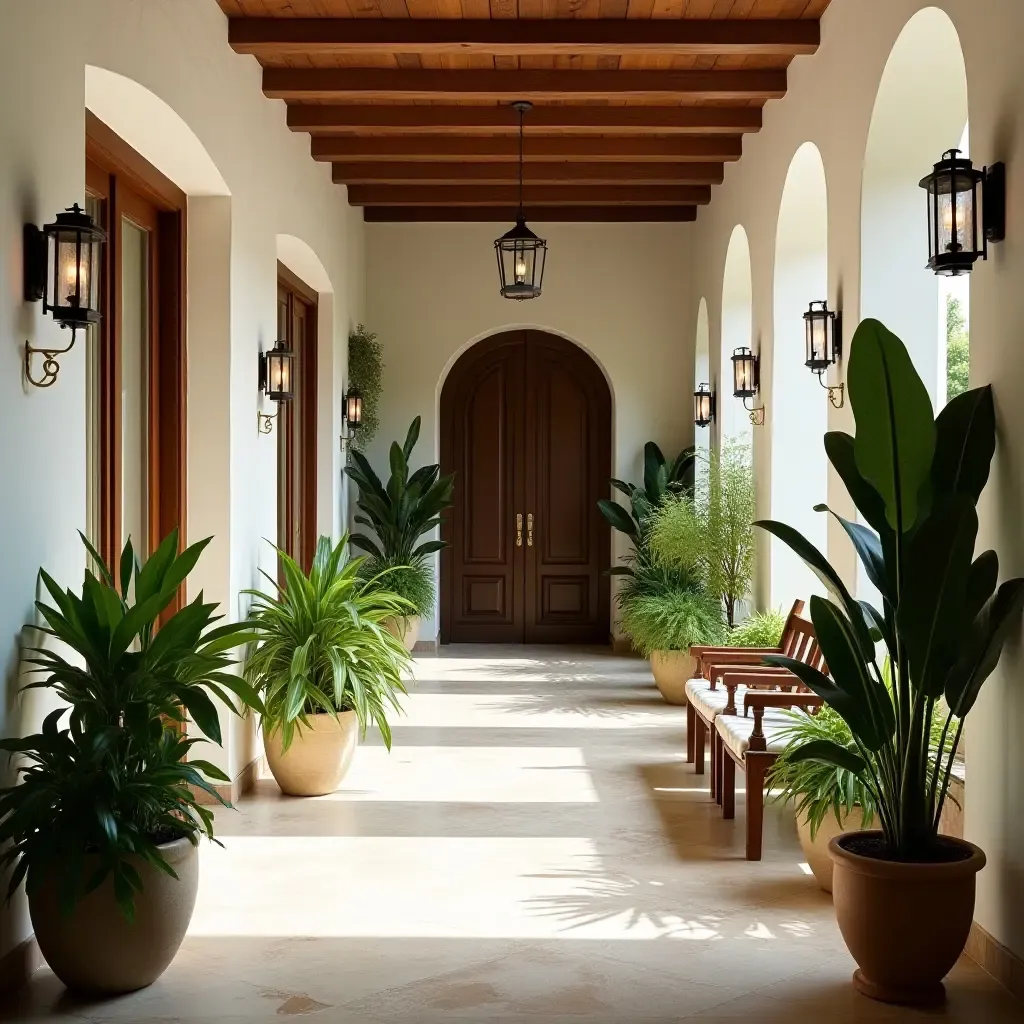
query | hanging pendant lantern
[521, 253]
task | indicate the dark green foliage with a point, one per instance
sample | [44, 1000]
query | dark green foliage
[916, 480]
[112, 781]
[661, 479]
[323, 647]
[401, 512]
[672, 621]
[365, 374]
[414, 583]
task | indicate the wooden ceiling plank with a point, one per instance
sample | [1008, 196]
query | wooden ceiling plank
[533, 84]
[464, 172]
[534, 37]
[506, 148]
[536, 215]
[536, 195]
[495, 120]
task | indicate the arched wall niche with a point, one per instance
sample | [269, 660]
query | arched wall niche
[799, 416]
[737, 332]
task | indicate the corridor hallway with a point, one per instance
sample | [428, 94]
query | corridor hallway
[534, 848]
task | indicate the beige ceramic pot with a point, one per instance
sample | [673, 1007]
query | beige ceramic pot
[905, 924]
[672, 671]
[318, 757]
[96, 949]
[816, 850]
[407, 630]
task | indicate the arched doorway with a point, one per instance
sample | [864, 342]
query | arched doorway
[526, 428]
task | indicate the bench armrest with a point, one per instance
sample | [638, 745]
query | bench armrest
[763, 699]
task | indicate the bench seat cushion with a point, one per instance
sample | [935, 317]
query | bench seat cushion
[735, 731]
[710, 703]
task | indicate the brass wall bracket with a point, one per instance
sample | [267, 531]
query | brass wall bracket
[51, 365]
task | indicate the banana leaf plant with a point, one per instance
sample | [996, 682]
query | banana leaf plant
[404, 509]
[943, 620]
[661, 478]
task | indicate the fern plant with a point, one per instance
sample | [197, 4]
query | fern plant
[672, 621]
[322, 647]
[762, 629]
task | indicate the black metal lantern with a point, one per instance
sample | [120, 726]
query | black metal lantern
[703, 405]
[63, 271]
[957, 235]
[354, 409]
[823, 331]
[275, 381]
[746, 381]
[521, 253]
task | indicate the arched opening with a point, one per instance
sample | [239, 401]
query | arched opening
[920, 111]
[737, 332]
[799, 478]
[702, 370]
[525, 421]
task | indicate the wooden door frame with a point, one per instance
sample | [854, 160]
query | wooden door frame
[113, 172]
[307, 409]
[475, 352]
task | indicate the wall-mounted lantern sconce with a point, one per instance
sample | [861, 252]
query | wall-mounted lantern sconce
[955, 242]
[703, 405]
[62, 270]
[746, 381]
[352, 414]
[823, 329]
[275, 382]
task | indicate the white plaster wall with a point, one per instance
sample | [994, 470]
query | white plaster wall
[617, 290]
[178, 51]
[829, 102]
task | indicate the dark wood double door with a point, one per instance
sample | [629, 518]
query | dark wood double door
[526, 428]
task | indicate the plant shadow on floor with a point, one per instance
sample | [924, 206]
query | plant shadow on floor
[645, 706]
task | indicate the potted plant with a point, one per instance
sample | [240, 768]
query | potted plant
[103, 822]
[664, 626]
[828, 799]
[904, 895]
[325, 667]
[760, 629]
[400, 513]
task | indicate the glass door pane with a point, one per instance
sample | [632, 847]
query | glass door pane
[135, 328]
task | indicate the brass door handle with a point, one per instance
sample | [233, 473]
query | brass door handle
[529, 530]
[519, 529]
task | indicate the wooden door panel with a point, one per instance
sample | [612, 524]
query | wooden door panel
[482, 570]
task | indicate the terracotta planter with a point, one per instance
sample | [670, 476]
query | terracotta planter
[904, 924]
[672, 671]
[96, 949]
[816, 850]
[318, 757]
[407, 630]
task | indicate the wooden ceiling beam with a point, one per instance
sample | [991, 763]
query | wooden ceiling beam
[441, 148]
[536, 215]
[463, 120]
[276, 37]
[463, 172]
[527, 84]
[536, 195]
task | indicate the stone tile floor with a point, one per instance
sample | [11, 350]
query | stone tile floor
[534, 848]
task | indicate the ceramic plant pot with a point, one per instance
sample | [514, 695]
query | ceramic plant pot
[96, 949]
[672, 671]
[407, 630]
[318, 757]
[816, 850]
[905, 924]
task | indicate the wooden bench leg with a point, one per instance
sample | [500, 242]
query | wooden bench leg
[754, 770]
[716, 765]
[728, 783]
[691, 725]
[700, 739]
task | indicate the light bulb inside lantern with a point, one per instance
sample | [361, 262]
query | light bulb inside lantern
[520, 271]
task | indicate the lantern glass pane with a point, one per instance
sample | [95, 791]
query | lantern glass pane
[354, 409]
[956, 219]
[743, 374]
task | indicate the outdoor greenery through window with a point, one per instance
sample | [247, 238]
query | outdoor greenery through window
[958, 348]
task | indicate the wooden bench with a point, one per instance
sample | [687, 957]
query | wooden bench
[754, 745]
[705, 700]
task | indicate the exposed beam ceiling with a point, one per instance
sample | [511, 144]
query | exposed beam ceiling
[269, 37]
[638, 106]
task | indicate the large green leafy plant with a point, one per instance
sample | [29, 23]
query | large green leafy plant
[322, 646]
[672, 621]
[366, 373]
[915, 480]
[107, 779]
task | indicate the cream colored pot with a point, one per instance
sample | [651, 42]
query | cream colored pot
[672, 671]
[407, 630]
[318, 757]
[96, 949]
[816, 850]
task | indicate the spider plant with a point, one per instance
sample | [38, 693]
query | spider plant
[672, 621]
[322, 646]
[916, 481]
[112, 782]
